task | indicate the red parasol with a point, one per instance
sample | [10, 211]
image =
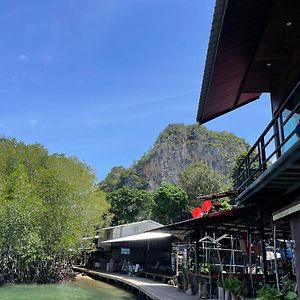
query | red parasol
[207, 206]
[197, 212]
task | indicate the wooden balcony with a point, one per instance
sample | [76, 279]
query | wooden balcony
[270, 172]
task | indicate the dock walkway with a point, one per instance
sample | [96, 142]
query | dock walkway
[146, 288]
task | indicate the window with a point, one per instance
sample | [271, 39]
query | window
[125, 251]
[290, 119]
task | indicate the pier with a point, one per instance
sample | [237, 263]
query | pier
[145, 288]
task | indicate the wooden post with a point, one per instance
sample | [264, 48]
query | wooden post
[177, 260]
[250, 264]
[275, 256]
[285, 255]
[263, 244]
[187, 262]
[197, 251]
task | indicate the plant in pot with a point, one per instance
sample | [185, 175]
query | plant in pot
[288, 287]
[236, 289]
[221, 291]
[227, 287]
[233, 288]
[268, 292]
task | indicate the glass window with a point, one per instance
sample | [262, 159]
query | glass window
[292, 119]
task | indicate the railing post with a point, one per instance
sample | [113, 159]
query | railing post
[277, 137]
[263, 153]
[247, 167]
[281, 128]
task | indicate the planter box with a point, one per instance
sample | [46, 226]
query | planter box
[221, 293]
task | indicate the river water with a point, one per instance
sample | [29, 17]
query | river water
[83, 288]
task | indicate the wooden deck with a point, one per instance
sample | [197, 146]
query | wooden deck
[147, 289]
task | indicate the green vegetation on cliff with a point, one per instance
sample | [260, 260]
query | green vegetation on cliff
[185, 161]
[176, 148]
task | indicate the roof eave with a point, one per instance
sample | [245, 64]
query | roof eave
[215, 33]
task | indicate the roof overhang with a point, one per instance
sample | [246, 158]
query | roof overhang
[249, 47]
[234, 222]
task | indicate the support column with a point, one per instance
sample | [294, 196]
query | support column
[197, 251]
[275, 256]
[295, 227]
[263, 243]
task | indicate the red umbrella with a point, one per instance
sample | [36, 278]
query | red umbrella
[197, 212]
[206, 205]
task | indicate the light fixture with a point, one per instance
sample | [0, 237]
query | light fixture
[289, 23]
[269, 64]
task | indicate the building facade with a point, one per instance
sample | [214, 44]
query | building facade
[254, 48]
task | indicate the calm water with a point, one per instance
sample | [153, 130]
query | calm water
[83, 288]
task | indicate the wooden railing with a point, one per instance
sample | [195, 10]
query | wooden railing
[281, 133]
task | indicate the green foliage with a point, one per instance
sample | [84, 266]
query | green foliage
[208, 268]
[268, 293]
[234, 285]
[234, 168]
[291, 296]
[129, 205]
[47, 204]
[288, 287]
[226, 204]
[200, 179]
[170, 201]
[120, 177]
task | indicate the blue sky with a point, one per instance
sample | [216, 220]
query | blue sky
[100, 79]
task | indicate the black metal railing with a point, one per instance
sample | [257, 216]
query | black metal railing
[281, 133]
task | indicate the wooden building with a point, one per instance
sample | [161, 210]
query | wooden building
[254, 48]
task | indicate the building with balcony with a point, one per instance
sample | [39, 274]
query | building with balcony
[254, 48]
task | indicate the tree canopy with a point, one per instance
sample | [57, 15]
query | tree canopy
[47, 204]
[130, 205]
[170, 202]
[120, 177]
[200, 179]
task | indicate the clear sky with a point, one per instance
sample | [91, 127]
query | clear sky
[99, 79]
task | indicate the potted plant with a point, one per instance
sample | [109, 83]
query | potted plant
[236, 289]
[221, 291]
[227, 287]
[288, 287]
[233, 288]
[291, 295]
[268, 292]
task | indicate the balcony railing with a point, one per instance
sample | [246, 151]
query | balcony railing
[281, 133]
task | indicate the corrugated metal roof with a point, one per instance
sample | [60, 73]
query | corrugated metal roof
[134, 223]
[139, 237]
